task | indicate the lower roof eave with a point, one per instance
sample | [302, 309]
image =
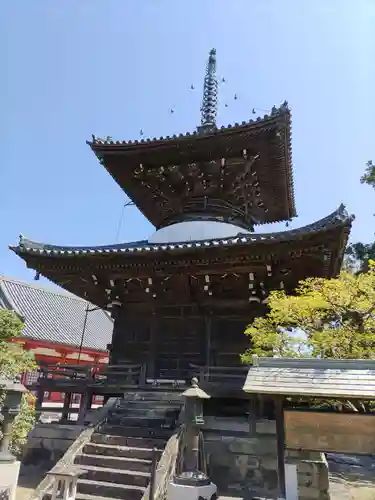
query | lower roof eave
[338, 220]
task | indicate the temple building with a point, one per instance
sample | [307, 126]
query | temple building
[58, 327]
[185, 295]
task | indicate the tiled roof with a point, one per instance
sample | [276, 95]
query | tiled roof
[56, 316]
[335, 378]
[339, 218]
[258, 122]
[274, 171]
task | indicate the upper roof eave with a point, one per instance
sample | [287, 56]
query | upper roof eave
[279, 118]
[97, 144]
[338, 218]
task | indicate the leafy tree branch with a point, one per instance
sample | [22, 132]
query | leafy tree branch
[15, 361]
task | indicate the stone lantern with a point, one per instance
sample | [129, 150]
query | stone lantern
[9, 465]
[191, 482]
[11, 408]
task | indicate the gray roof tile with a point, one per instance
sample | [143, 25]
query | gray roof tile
[55, 316]
[338, 218]
[281, 110]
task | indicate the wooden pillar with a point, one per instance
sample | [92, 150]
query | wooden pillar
[280, 436]
[39, 400]
[208, 321]
[84, 407]
[151, 368]
[66, 407]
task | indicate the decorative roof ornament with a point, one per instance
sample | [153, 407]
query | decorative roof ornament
[209, 101]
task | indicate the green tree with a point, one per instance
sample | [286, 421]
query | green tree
[358, 254]
[369, 176]
[329, 318]
[14, 361]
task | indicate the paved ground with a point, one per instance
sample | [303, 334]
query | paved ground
[344, 490]
[351, 477]
[29, 479]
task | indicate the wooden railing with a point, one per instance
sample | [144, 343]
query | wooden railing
[90, 381]
[85, 380]
[88, 375]
[227, 375]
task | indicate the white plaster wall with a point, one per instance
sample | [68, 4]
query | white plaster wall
[195, 231]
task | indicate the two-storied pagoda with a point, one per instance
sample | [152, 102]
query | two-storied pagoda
[186, 294]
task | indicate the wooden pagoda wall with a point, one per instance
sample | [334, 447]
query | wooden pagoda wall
[171, 338]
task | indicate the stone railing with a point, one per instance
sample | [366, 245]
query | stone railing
[165, 470]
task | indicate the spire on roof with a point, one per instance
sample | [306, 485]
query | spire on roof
[209, 101]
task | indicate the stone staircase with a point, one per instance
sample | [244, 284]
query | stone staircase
[118, 459]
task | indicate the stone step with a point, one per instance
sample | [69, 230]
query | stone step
[141, 432]
[118, 463]
[100, 489]
[128, 477]
[128, 441]
[110, 450]
[142, 421]
[82, 496]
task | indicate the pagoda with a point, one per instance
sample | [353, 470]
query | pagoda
[186, 294]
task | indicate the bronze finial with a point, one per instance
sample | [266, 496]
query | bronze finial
[209, 101]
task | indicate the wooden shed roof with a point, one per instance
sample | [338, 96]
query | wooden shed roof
[324, 378]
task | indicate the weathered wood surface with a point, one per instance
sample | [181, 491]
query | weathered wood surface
[312, 377]
[330, 432]
[79, 378]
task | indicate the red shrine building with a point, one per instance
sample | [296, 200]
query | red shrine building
[59, 327]
[183, 296]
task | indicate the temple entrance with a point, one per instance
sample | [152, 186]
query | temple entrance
[180, 342]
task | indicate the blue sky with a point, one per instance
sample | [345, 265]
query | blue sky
[113, 67]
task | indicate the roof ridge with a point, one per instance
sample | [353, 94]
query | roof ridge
[274, 113]
[42, 288]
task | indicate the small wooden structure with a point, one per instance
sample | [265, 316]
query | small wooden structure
[316, 378]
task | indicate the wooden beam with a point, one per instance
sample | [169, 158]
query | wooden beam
[280, 437]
